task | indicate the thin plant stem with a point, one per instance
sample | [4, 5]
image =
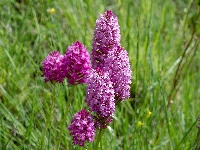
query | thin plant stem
[186, 19]
[180, 67]
[65, 117]
[99, 134]
[101, 141]
[137, 55]
[188, 66]
[49, 117]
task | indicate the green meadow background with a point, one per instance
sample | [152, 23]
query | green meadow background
[162, 40]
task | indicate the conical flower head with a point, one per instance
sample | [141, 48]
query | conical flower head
[82, 128]
[100, 94]
[110, 56]
[52, 67]
[106, 35]
[116, 63]
[76, 64]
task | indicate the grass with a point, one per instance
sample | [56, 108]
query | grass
[165, 79]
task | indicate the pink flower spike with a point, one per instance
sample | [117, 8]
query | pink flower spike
[82, 128]
[106, 35]
[76, 65]
[100, 94]
[117, 64]
[52, 70]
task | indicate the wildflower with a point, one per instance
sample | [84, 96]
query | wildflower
[76, 65]
[48, 94]
[106, 35]
[110, 56]
[148, 113]
[82, 128]
[116, 63]
[100, 94]
[139, 124]
[51, 11]
[52, 70]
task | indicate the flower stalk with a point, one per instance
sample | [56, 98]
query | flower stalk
[49, 118]
[98, 141]
[66, 111]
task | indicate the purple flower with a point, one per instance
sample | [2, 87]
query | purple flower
[199, 123]
[106, 35]
[82, 128]
[110, 56]
[116, 63]
[52, 70]
[76, 64]
[100, 94]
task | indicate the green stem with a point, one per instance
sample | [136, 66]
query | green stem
[65, 117]
[99, 134]
[49, 117]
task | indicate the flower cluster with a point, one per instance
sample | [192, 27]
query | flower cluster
[52, 67]
[108, 80]
[51, 10]
[76, 63]
[100, 94]
[140, 123]
[148, 113]
[116, 63]
[106, 36]
[82, 128]
[110, 56]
